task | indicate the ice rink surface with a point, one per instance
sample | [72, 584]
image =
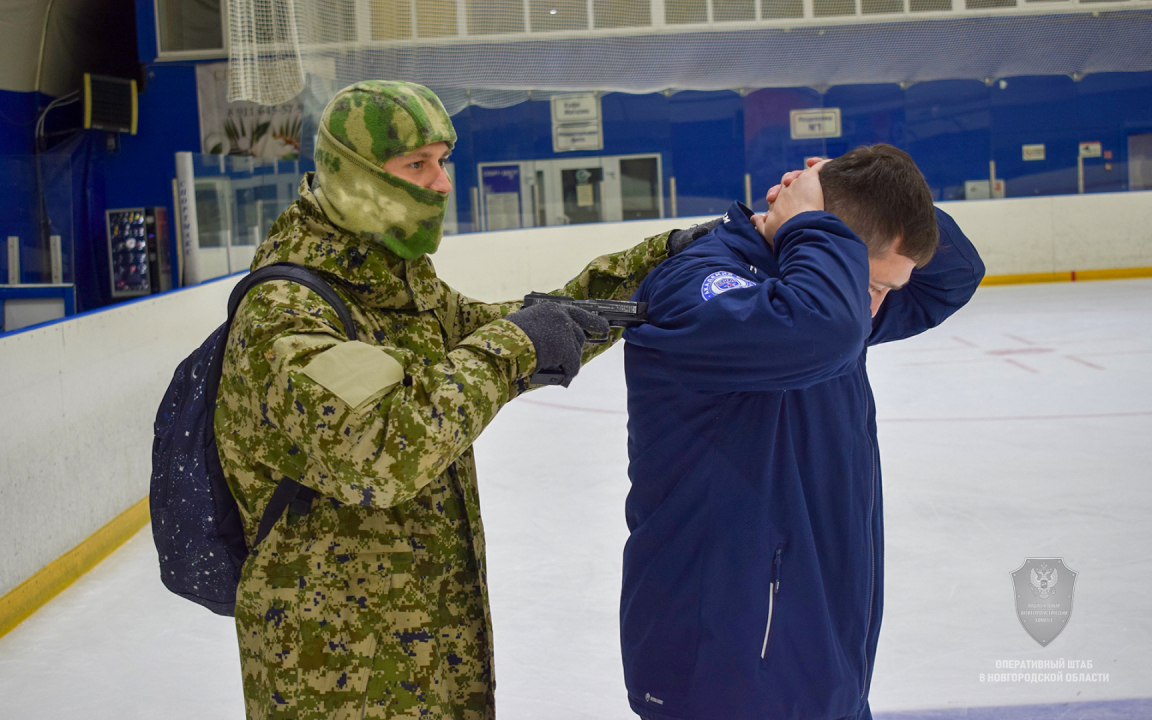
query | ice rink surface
[1021, 428]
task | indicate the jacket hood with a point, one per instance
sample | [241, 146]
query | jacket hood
[364, 126]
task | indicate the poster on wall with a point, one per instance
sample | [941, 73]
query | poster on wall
[268, 132]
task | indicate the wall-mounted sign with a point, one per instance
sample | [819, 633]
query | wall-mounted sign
[580, 107]
[1090, 149]
[577, 136]
[576, 122]
[816, 123]
[244, 128]
[983, 189]
[1033, 152]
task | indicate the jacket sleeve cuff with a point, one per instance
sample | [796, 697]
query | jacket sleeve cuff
[504, 341]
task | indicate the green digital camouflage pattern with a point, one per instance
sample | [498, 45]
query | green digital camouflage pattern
[364, 126]
[375, 604]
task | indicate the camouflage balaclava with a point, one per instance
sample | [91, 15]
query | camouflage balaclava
[365, 125]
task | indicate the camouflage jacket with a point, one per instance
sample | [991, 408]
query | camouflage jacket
[375, 604]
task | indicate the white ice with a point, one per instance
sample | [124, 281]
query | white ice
[1020, 428]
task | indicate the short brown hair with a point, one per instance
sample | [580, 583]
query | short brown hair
[880, 194]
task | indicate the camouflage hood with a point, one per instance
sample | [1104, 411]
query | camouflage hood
[363, 127]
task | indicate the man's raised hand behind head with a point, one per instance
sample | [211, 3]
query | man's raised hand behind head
[802, 194]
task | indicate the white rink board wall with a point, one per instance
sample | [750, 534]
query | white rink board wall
[80, 396]
[1059, 233]
[79, 399]
[1015, 236]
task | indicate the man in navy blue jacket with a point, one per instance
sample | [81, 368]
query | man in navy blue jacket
[753, 574]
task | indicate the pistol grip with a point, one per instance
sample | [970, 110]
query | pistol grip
[546, 377]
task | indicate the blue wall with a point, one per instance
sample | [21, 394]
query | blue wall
[707, 140]
[132, 171]
[953, 128]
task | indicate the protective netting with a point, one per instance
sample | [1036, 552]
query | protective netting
[493, 53]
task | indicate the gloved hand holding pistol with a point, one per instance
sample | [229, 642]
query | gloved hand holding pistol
[558, 332]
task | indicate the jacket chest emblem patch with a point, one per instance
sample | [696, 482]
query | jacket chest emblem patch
[722, 282]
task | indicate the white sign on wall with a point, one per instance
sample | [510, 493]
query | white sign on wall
[1033, 152]
[577, 136]
[580, 107]
[816, 123]
[1090, 149]
[576, 122]
[244, 128]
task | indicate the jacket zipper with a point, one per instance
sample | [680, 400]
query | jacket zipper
[774, 587]
[871, 543]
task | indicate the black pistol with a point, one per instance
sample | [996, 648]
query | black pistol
[618, 313]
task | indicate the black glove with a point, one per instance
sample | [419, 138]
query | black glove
[680, 239]
[558, 332]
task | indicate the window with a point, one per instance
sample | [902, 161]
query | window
[435, 18]
[622, 13]
[550, 15]
[733, 10]
[684, 12]
[777, 9]
[391, 19]
[826, 8]
[872, 7]
[495, 17]
[184, 25]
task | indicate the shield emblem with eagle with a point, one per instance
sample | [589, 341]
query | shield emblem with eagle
[1043, 589]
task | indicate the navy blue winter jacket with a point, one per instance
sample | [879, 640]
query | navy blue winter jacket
[753, 574]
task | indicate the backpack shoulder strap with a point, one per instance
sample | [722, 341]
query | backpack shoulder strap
[301, 276]
[289, 493]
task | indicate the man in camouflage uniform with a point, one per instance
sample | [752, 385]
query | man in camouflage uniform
[375, 603]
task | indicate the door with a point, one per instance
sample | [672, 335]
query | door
[640, 196]
[214, 220]
[1140, 162]
[570, 191]
[604, 189]
[580, 190]
[504, 188]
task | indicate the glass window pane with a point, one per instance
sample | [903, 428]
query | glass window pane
[930, 5]
[825, 8]
[495, 17]
[733, 10]
[985, 4]
[873, 7]
[639, 188]
[538, 196]
[1140, 161]
[332, 22]
[581, 190]
[682, 12]
[391, 19]
[210, 215]
[189, 25]
[622, 13]
[435, 18]
[552, 15]
[776, 9]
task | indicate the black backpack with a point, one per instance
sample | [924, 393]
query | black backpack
[195, 520]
